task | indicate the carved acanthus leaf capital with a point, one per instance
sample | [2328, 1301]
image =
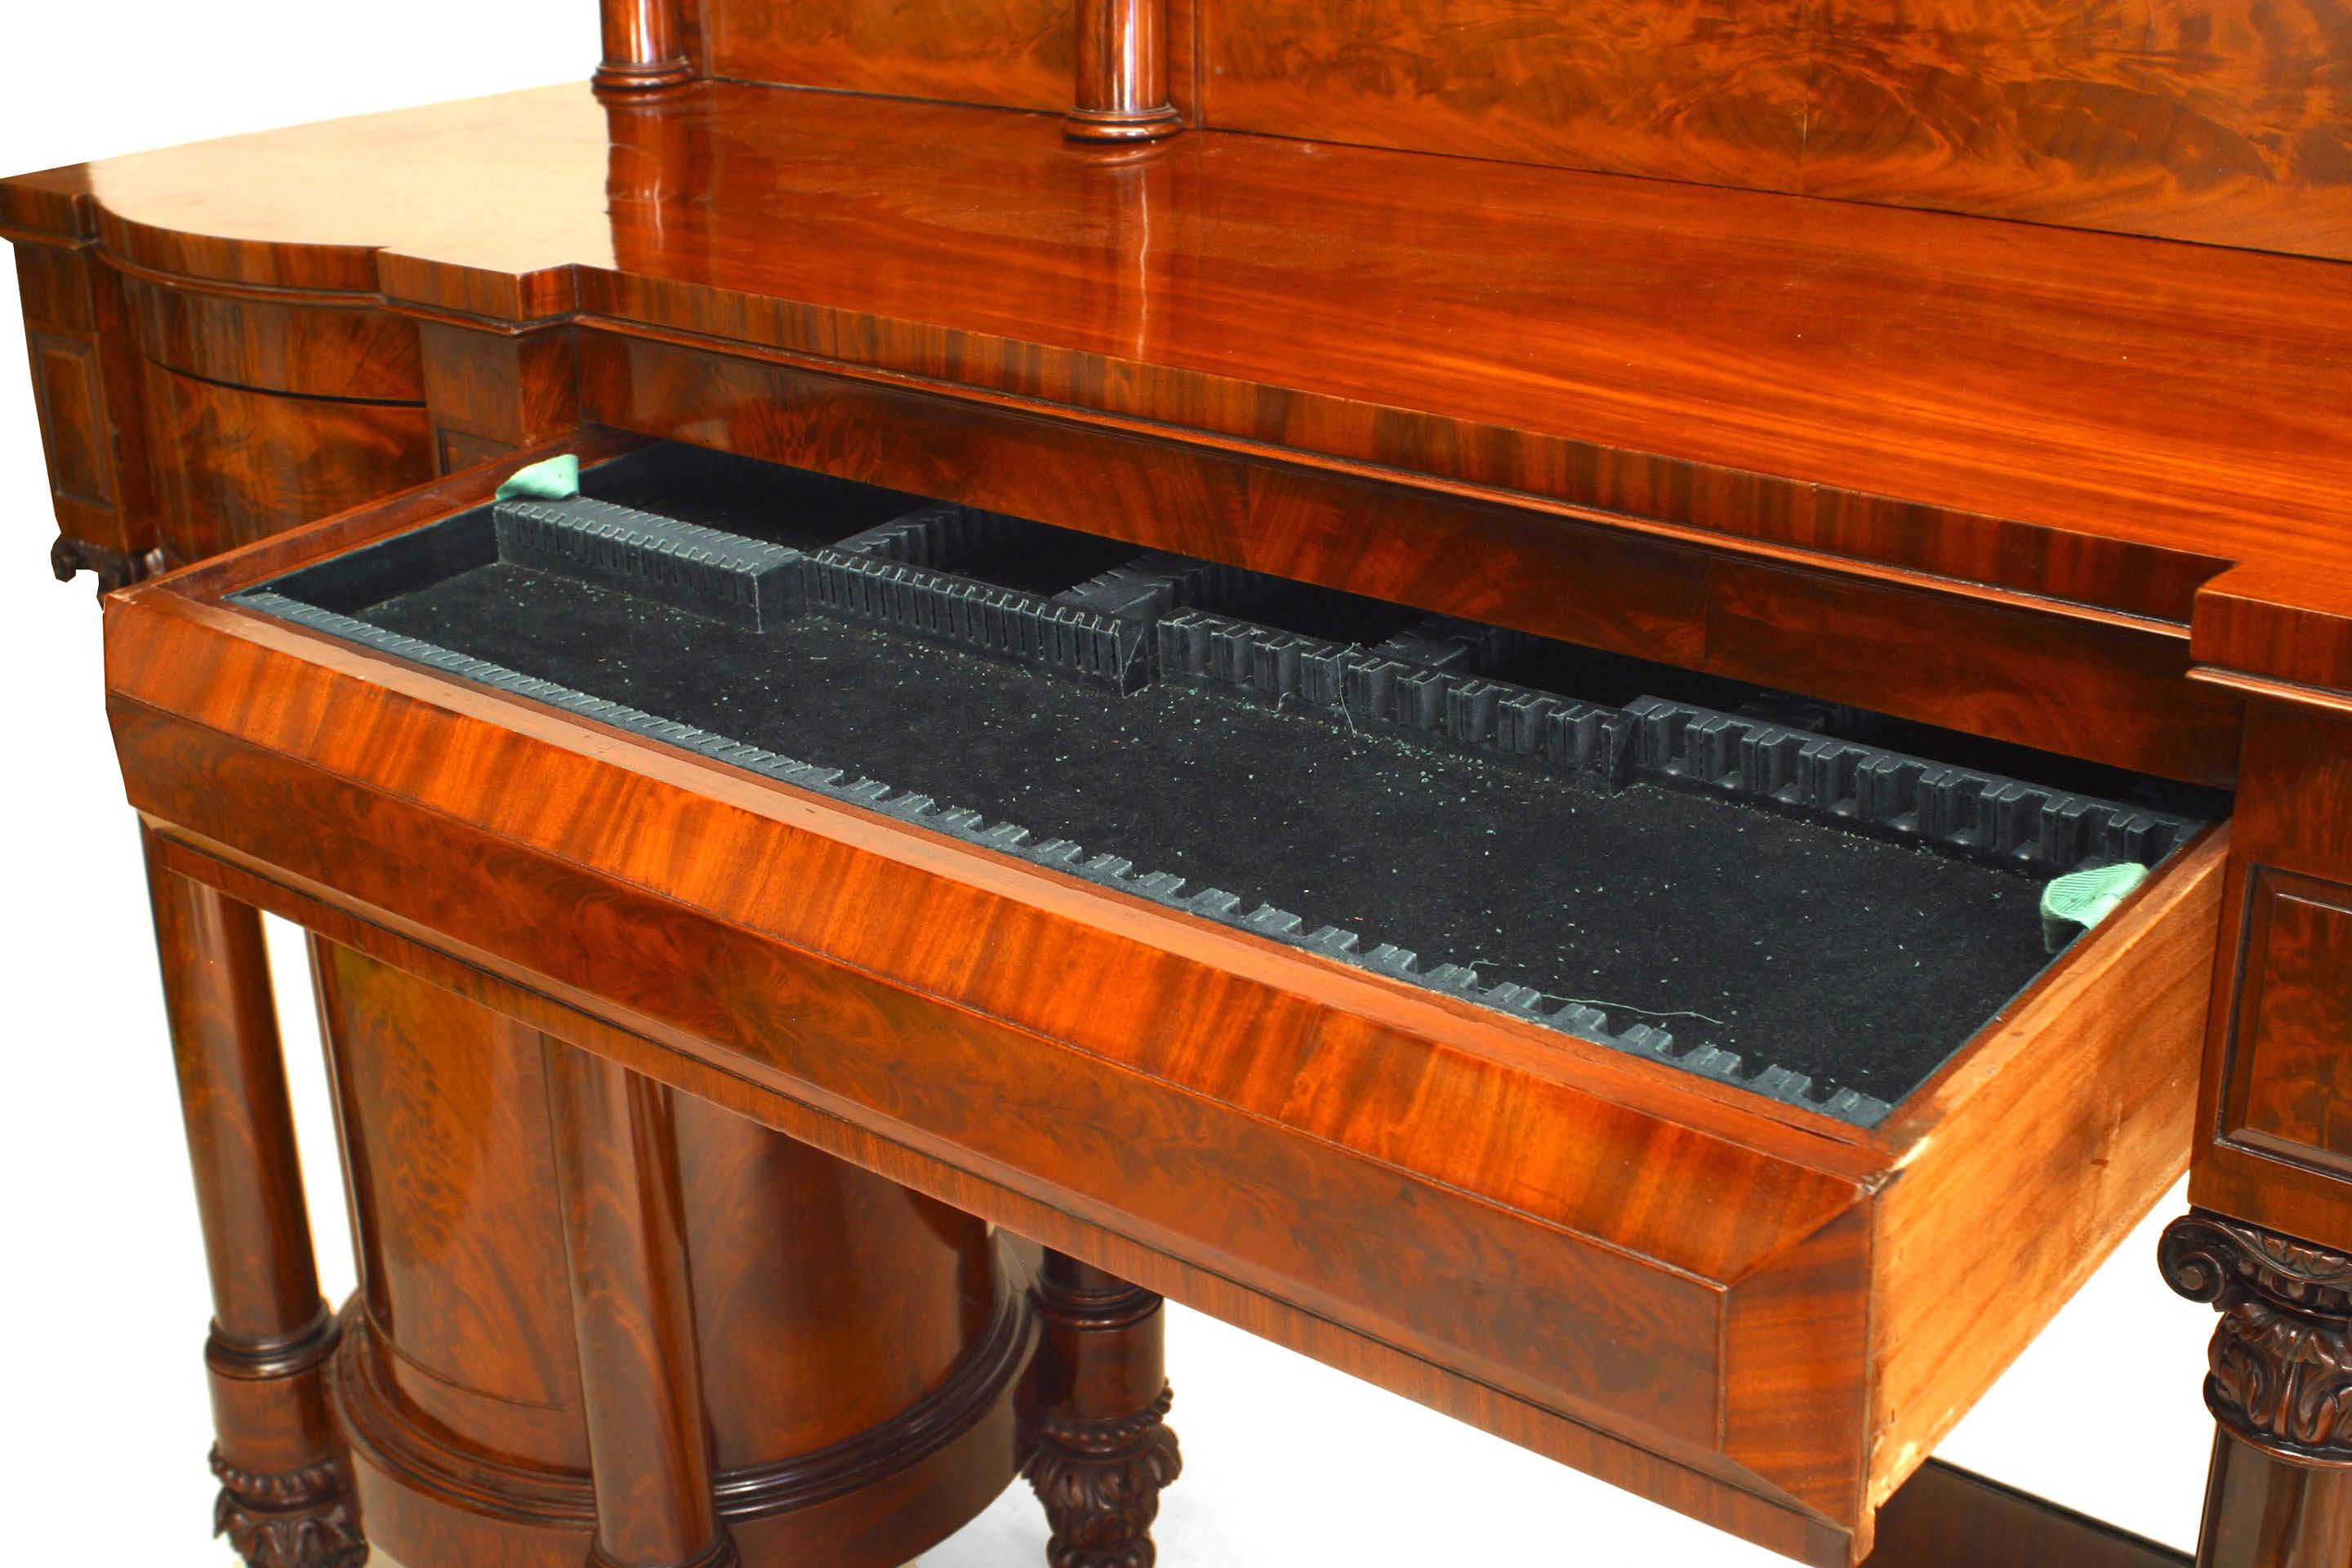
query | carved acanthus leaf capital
[2280, 1360]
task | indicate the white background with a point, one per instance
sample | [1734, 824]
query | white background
[102, 1301]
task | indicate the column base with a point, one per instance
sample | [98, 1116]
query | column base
[1099, 1481]
[878, 1499]
[300, 1519]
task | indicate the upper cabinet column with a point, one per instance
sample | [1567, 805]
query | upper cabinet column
[644, 46]
[1122, 88]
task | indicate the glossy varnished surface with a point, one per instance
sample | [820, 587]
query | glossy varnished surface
[1018, 53]
[2081, 416]
[838, 1319]
[1379, 1159]
[2223, 123]
[2263, 1512]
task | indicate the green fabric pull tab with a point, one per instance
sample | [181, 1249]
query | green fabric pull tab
[2081, 900]
[557, 479]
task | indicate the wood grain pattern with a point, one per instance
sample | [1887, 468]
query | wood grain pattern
[88, 397]
[234, 465]
[673, 1059]
[323, 347]
[2077, 417]
[984, 1089]
[2229, 122]
[2092, 687]
[2222, 123]
[2293, 818]
[843, 992]
[2263, 1512]
[2285, 1092]
[441, 1114]
[831, 1386]
[487, 394]
[2115, 1051]
[615, 1145]
[1681, 89]
[285, 1492]
[1016, 54]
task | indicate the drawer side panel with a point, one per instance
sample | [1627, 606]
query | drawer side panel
[2057, 1133]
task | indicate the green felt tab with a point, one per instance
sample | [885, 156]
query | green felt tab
[557, 479]
[2081, 900]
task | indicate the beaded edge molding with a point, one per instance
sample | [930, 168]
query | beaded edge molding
[1574, 1019]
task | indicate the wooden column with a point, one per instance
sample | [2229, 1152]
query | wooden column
[2263, 1510]
[285, 1499]
[644, 46]
[633, 1311]
[1122, 86]
[1104, 1449]
[2279, 1387]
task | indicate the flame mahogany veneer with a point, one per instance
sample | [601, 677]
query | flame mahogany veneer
[677, 1105]
[1785, 1326]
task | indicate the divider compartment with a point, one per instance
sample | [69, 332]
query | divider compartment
[1744, 884]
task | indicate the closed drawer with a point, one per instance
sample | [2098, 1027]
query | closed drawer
[1684, 1065]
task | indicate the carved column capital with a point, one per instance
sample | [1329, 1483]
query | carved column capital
[2281, 1361]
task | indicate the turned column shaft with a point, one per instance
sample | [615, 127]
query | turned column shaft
[1102, 1448]
[633, 1311]
[1122, 78]
[285, 1497]
[644, 46]
[2263, 1512]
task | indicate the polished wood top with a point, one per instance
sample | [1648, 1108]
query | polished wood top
[2103, 420]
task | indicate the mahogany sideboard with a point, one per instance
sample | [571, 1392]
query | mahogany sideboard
[1918, 441]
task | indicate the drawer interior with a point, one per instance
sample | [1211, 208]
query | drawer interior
[1813, 902]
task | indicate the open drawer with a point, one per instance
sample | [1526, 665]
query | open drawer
[1674, 1075]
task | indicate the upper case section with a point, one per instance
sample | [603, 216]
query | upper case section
[2105, 425]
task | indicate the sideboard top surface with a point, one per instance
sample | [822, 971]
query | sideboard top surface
[2106, 420]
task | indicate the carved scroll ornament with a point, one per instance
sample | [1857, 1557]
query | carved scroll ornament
[2281, 1361]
